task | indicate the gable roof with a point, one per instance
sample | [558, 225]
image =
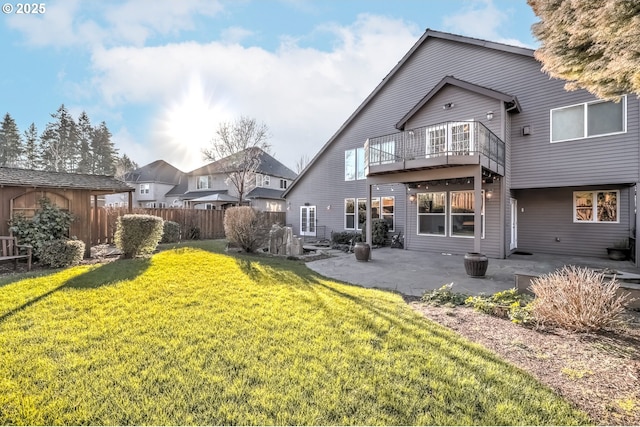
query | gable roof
[268, 166]
[15, 177]
[265, 193]
[510, 100]
[158, 171]
[428, 34]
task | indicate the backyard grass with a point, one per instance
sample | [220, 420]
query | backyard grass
[195, 336]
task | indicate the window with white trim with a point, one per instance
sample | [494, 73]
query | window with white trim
[596, 206]
[588, 120]
[262, 180]
[203, 182]
[462, 214]
[386, 212]
[432, 213]
[145, 188]
[350, 214]
[354, 164]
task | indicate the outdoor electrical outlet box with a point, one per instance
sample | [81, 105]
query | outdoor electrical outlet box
[557, 239]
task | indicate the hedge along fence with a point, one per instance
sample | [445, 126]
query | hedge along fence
[210, 223]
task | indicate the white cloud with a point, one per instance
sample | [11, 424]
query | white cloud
[132, 22]
[302, 94]
[481, 19]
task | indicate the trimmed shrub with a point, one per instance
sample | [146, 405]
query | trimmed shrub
[247, 227]
[61, 253]
[578, 299]
[138, 235]
[170, 232]
[48, 223]
[345, 237]
[379, 231]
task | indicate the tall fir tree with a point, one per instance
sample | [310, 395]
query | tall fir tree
[104, 152]
[30, 158]
[85, 134]
[10, 142]
[59, 143]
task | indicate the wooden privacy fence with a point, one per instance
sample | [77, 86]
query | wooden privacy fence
[194, 223]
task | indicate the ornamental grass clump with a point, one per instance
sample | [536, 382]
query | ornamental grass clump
[247, 227]
[578, 299]
[138, 235]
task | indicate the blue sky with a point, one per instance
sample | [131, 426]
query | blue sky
[164, 73]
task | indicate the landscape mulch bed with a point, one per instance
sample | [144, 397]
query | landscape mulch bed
[598, 373]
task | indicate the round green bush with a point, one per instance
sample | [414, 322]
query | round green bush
[61, 253]
[170, 232]
[138, 235]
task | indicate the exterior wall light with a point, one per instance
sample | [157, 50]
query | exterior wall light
[412, 198]
[489, 115]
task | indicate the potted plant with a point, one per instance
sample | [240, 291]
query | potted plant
[361, 249]
[620, 250]
[475, 264]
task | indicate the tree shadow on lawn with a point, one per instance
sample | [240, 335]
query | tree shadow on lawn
[103, 275]
[433, 340]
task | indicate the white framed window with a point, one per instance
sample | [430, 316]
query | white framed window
[262, 180]
[432, 213]
[362, 213]
[588, 120]
[145, 188]
[596, 206]
[350, 214]
[462, 214]
[203, 182]
[354, 164]
[388, 211]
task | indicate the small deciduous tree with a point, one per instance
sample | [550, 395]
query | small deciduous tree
[241, 144]
[593, 44]
[247, 227]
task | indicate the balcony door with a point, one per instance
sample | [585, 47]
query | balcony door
[451, 138]
[307, 220]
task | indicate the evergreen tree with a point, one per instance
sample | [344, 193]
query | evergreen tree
[593, 44]
[104, 152]
[10, 142]
[59, 143]
[30, 158]
[85, 134]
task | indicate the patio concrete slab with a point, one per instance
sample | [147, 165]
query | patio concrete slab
[412, 273]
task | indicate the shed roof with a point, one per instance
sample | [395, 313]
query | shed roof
[15, 177]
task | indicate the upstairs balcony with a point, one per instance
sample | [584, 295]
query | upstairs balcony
[441, 145]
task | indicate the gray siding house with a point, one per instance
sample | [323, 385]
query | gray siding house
[208, 188]
[466, 145]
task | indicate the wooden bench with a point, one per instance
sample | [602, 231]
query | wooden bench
[11, 250]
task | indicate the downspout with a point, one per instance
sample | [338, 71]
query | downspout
[503, 186]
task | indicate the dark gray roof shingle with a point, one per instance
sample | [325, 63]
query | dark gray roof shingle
[158, 171]
[268, 166]
[265, 193]
[45, 179]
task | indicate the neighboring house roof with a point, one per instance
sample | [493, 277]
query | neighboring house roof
[265, 193]
[201, 193]
[219, 197]
[179, 190]
[46, 179]
[158, 171]
[268, 166]
[428, 34]
[510, 100]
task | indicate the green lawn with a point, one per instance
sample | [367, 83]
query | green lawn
[194, 336]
